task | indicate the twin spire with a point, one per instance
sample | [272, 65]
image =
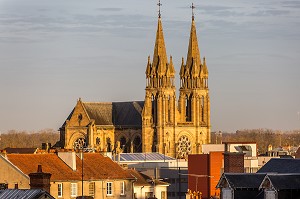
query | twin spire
[160, 66]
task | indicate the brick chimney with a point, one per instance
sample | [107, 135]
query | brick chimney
[233, 162]
[40, 180]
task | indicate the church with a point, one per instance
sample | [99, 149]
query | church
[161, 123]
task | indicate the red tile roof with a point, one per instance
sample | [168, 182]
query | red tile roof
[140, 179]
[95, 166]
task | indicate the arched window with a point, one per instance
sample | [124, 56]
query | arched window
[137, 144]
[154, 149]
[202, 108]
[188, 108]
[108, 144]
[169, 109]
[123, 143]
[154, 109]
[98, 141]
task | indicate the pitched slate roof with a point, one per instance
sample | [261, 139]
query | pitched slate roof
[60, 171]
[128, 113]
[145, 180]
[242, 180]
[284, 181]
[23, 193]
[100, 112]
[281, 165]
[115, 113]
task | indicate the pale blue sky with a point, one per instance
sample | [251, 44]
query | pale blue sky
[54, 51]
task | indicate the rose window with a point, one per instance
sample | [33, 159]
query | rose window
[184, 147]
[80, 143]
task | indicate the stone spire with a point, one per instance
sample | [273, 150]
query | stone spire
[204, 68]
[148, 69]
[170, 69]
[160, 55]
[193, 57]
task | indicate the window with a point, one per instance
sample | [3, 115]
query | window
[73, 189]
[3, 186]
[109, 188]
[59, 189]
[92, 189]
[122, 185]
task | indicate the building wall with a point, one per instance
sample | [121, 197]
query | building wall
[198, 171]
[174, 173]
[11, 176]
[207, 168]
[231, 147]
[215, 165]
[207, 148]
[100, 189]
[140, 191]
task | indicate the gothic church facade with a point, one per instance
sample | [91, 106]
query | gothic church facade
[160, 123]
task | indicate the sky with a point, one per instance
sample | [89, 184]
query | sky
[53, 52]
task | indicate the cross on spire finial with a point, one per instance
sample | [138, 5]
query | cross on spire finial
[193, 14]
[159, 5]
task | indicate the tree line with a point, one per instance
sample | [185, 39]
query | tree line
[26, 139]
[263, 138]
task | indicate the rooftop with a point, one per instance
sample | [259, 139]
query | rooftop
[60, 171]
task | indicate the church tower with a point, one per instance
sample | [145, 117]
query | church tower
[167, 128]
[159, 108]
[194, 102]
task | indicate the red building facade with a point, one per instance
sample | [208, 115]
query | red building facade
[204, 172]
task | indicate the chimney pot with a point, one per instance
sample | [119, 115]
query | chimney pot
[39, 170]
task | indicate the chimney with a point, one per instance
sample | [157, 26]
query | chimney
[233, 162]
[69, 158]
[40, 180]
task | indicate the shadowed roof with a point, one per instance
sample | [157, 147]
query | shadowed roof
[128, 113]
[281, 165]
[242, 180]
[20, 150]
[285, 181]
[96, 166]
[115, 113]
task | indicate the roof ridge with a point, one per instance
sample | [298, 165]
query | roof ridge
[113, 102]
[97, 102]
